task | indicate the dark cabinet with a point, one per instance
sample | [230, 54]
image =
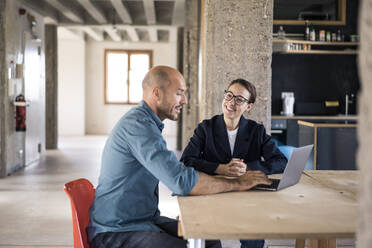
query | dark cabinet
[285, 130]
[335, 140]
[335, 145]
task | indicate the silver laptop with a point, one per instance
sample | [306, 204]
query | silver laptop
[292, 172]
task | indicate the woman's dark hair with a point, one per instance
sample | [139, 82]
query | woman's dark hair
[249, 86]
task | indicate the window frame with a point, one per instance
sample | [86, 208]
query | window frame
[129, 53]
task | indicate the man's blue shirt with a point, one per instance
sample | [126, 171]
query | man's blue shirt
[134, 159]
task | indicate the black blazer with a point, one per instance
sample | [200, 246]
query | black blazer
[209, 147]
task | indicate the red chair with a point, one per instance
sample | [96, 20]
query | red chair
[81, 194]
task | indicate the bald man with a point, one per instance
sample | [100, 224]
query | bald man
[135, 158]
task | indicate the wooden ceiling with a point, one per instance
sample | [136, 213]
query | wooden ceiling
[117, 20]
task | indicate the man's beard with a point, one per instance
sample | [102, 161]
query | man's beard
[164, 110]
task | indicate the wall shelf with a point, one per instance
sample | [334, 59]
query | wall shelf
[317, 43]
[343, 48]
[341, 52]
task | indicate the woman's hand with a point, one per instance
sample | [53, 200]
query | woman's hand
[235, 168]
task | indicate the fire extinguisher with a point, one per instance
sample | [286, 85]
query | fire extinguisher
[20, 116]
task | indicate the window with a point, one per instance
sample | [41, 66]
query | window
[124, 72]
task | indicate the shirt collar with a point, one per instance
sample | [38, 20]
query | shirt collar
[156, 118]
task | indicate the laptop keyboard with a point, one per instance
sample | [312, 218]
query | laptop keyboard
[274, 185]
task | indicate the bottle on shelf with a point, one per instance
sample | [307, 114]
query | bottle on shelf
[307, 30]
[328, 36]
[312, 34]
[339, 35]
[322, 34]
[281, 33]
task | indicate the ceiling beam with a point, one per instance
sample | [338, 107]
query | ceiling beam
[149, 6]
[153, 34]
[49, 20]
[95, 34]
[70, 14]
[131, 31]
[113, 33]
[66, 33]
[93, 11]
[96, 31]
[178, 18]
[121, 26]
[122, 11]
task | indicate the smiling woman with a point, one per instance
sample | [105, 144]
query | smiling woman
[229, 144]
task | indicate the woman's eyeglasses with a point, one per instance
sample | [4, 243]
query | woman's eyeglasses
[239, 100]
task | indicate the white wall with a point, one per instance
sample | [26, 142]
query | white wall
[101, 118]
[18, 144]
[71, 84]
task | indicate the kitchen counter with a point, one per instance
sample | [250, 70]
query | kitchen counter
[335, 142]
[286, 128]
[329, 123]
[314, 117]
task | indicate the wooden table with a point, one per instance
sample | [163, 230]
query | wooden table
[321, 207]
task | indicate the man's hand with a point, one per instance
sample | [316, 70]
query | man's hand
[212, 185]
[251, 179]
[235, 168]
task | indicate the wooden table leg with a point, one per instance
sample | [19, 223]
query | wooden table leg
[300, 243]
[179, 229]
[322, 243]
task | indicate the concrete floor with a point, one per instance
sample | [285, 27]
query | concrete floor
[35, 212]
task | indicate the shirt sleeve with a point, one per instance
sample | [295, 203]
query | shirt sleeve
[192, 155]
[149, 148]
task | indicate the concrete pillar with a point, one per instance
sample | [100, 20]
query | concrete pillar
[51, 81]
[191, 41]
[364, 237]
[236, 43]
[3, 93]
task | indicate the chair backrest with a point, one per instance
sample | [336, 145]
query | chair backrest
[81, 194]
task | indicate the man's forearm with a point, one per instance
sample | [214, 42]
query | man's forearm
[211, 185]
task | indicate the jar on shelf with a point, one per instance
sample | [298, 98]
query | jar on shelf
[354, 38]
[334, 37]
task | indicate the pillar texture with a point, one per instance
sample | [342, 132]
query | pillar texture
[236, 43]
[51, 80]
[191, 41]
[3, 93]
[364, 237]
